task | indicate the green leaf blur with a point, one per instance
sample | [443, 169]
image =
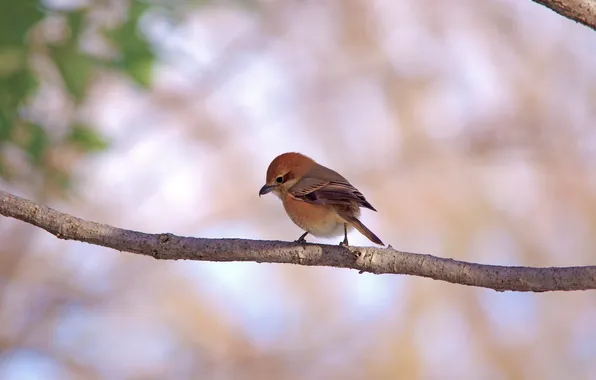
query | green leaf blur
[136, 56]
[87, 138]
[45, 62]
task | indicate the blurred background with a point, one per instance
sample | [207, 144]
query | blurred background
[468, 124]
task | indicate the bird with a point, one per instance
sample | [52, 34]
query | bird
[317, 199]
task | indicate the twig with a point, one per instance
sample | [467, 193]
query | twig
[582, 11]
[364, 259]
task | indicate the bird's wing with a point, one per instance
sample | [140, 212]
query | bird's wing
[322, 185]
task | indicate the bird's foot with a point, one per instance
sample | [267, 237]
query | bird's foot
[301, 239]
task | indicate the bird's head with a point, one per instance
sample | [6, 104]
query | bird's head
[284, 171]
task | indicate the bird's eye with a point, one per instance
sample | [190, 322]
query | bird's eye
[279, 179]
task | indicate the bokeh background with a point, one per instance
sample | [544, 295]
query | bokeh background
[469, 125]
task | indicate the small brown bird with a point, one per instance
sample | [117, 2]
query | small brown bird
[317, 199]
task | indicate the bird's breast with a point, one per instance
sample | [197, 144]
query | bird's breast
[319, 220]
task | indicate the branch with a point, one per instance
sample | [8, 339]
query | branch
[582, 11]
[365, 259]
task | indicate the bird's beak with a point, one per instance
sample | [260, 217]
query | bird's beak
[266, 189]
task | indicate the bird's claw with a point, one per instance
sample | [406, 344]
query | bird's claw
[301, 239]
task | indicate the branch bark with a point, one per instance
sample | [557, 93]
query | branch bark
[167, 246]
[582, 11]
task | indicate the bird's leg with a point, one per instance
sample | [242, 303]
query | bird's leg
[301, 238]
[345, 242]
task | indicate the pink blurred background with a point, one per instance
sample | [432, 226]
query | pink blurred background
[468, 124]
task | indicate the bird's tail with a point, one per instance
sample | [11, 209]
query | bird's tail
[363, 229]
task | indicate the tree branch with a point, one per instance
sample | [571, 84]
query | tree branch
[365, 259]
[582, 11]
